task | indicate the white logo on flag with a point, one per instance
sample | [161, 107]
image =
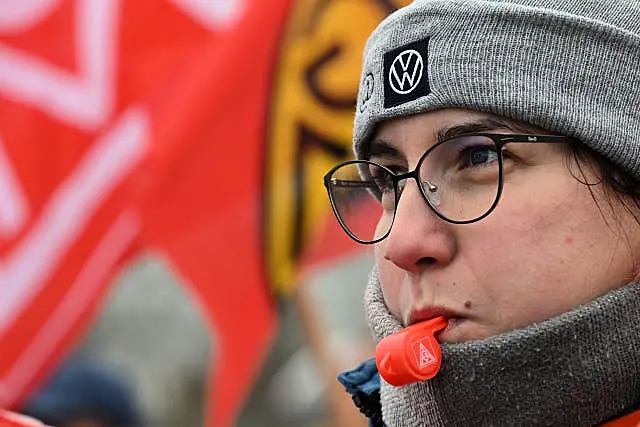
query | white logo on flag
[406, 72]
[426, 358]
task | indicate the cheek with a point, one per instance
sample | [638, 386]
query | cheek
[546, 257]
[391, 283]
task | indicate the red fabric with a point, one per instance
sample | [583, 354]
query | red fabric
[129, 125]
[631, 420]
[206, 217]
[67, 156]
[9, 419]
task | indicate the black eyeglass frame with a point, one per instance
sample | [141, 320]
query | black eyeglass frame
[500, 140]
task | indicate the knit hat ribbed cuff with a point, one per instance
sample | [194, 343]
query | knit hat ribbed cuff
[574, 72]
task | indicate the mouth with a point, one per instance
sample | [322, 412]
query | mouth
[420, 315]
[427, 313]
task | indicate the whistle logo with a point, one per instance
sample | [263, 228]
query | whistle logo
[423, 353]
[406, 72]
[426, 358]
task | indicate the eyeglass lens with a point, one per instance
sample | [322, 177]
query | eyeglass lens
[460, 179]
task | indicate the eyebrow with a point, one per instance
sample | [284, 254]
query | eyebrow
[382, 147]
[478, 126]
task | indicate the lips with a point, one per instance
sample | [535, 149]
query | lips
[427, 313]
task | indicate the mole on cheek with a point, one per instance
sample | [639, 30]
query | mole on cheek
[467, 304]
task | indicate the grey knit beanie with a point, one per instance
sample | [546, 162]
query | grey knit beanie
[569, 66]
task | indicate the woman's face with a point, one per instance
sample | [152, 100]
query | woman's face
[546, 248]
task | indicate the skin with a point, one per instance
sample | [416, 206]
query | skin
[545, 249]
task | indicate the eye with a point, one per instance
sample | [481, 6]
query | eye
[478, 156]
[382, 179]
[383, 187]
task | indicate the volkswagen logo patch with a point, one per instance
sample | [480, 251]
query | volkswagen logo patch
[405, 71]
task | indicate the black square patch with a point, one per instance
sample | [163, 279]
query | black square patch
[405, 73]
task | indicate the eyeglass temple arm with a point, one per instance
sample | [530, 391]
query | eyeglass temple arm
[530, 138]
[349, 183]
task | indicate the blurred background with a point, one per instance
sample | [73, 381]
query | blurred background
[169, 257]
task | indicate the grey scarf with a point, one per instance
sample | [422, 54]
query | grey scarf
[581, 368]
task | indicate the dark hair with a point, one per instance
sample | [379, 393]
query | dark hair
[619, 185]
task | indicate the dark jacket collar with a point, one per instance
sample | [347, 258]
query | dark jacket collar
[363, 384]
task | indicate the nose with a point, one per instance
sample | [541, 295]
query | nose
[418, 238]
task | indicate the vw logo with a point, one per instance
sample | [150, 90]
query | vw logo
[406, 72]
[366, 92]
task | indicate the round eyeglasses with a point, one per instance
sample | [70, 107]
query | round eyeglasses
[460, 178]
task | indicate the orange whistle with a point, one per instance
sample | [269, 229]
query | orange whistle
[412, 354]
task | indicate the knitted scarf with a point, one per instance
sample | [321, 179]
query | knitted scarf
[581, 368]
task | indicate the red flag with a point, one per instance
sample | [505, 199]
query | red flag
[129, 125]
[126, 124]
[67, 153]
[205, 217]
[9, 419]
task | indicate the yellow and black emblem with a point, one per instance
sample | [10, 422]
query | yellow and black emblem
[310, 120]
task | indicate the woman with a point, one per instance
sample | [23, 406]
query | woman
[500, 141]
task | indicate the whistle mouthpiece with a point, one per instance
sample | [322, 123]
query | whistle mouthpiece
[412, 354]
